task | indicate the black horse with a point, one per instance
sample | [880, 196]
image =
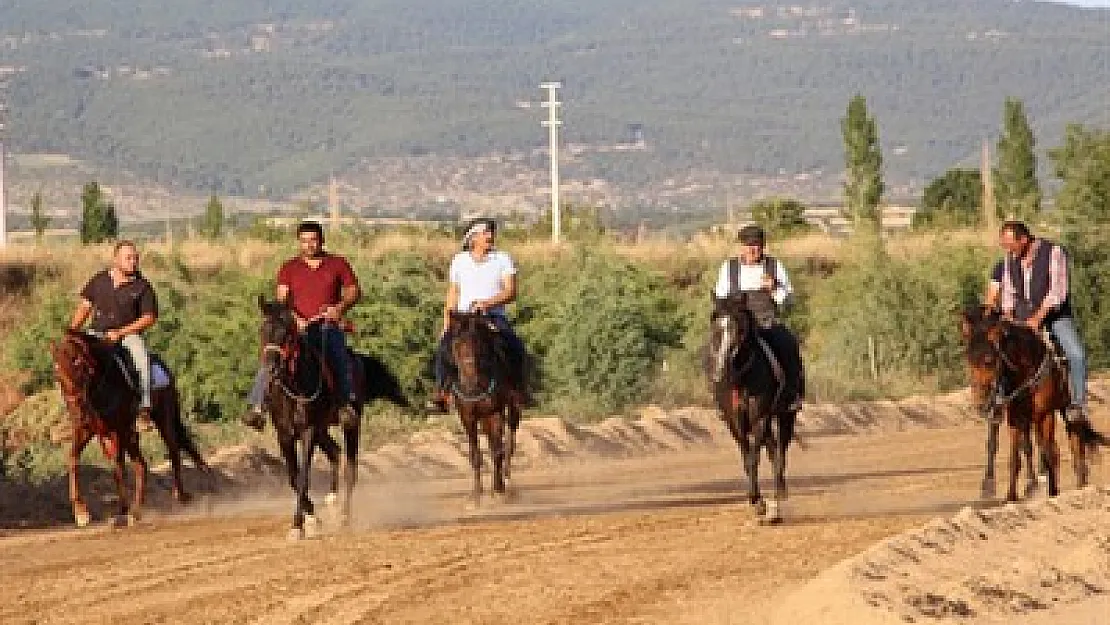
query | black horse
[301, 409]
[754, 388]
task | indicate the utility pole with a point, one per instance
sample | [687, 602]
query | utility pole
[3, 162]
[552, 123]
[333, 203]
[990, 212]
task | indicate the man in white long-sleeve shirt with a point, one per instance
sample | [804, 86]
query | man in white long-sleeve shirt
[767, 287]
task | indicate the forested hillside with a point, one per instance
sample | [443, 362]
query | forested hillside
[264, 97]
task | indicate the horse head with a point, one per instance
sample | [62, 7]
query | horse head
[983, 332]
[279, 335]
[730, 325]
[472, 350]
[75, 369]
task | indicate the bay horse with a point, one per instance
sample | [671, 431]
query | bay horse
[1013, 370]
[750, 397]
[102, 403]
[301, 409]
[483, 395]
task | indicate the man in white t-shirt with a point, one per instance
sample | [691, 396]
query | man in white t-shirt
[767, 287]
[481, 279]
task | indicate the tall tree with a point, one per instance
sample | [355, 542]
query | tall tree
[952, 200]
[98, 216]
[863, 186]
[39, 220]
[212, 226]
[1016, 190]
[780, 216]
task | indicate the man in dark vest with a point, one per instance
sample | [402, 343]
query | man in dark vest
[1035, 292]
[764, 280]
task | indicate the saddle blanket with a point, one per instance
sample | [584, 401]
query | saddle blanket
[159, 377]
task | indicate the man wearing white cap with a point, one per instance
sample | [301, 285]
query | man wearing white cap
[481, 279]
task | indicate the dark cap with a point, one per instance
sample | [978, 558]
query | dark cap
[751, 235]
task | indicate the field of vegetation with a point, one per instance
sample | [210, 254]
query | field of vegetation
[613, 325]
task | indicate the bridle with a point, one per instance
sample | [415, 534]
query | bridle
[288, 351]
[997, 399]
[473, 361]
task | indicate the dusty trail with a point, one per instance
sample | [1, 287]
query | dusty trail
[648, 538]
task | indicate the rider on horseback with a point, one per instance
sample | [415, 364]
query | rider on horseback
[1035, 292]
[482, 279]
[320, 287]
[122, 305]
[764, 279]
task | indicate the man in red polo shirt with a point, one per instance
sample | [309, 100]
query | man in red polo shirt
[320, 287]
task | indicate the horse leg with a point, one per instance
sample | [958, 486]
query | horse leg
[116, 444]
[470, 423]
[81, 437]
[513, 411]
[495, 432]
[288, 444]
[304, 511]
[1078, 454]
[350, 446]
[332, 452]
[163, 422]
[1034, 468]
[1046, 441]
[778, 441]
[139, 468]
[1016, 437]
[987, 489]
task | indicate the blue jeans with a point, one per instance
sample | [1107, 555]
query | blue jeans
[335, 350]
[1068, 336]
[140, 357]
[443, 367]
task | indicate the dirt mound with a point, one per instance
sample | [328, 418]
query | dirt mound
[999, 565]
[545, 441]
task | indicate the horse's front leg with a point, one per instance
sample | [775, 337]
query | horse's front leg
[495, 426]
[305, 510]
[350, 446]
[470, 424]
[780, 431]
[987, 489]
[749, 452]
[1017, 435]
[331, 450]
[81, 437]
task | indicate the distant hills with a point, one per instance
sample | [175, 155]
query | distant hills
[268, 98]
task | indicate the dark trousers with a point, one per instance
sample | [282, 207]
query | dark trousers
[331, 341]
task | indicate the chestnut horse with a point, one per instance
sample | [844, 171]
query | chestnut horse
[751, 397]
[482, 394]
[102, 403]
[1012, 369]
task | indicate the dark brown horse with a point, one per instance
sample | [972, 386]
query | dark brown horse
[750, 395]
[301, 409]
[482, 394]
[102, 403]
[1013, 370]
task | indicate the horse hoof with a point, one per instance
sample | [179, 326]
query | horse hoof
[311, 527]
[760, 508]
[295, 533]
[82, 518]
[331, 499]
[987, 490]
[773, 514]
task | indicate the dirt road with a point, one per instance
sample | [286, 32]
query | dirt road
[657, 538]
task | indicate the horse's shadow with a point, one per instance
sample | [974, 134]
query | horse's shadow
[44, 504]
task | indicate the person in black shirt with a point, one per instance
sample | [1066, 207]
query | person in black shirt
[122, 305]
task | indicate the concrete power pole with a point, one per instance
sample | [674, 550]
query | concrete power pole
[553, 123]
[333, 203]
[990, 212]
[3, 196]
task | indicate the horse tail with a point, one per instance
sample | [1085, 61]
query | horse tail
[1090, 438]
[184, 438]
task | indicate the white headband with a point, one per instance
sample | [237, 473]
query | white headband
[480, 226]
